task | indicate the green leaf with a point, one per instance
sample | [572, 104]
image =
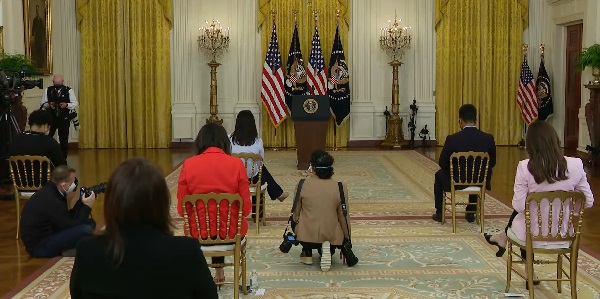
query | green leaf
[589, 57]
[14, 62]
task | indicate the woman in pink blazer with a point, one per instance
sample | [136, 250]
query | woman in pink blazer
[545, 170]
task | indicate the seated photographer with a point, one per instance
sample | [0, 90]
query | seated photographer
[137, 255]
[48, 227]
[36, 141]
[321, 220]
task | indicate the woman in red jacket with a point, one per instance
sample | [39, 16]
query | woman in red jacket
[214, 170]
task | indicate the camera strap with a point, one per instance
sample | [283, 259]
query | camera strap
[344, 208]
[296, 197]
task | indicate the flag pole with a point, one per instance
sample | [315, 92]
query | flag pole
[335, 148]
[524, 131]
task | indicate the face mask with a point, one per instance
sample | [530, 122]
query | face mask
[71, 188]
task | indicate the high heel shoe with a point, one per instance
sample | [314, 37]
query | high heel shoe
[219, 282]
[501, 249]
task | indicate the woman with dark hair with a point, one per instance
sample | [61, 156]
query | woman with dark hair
[213, 169]
[244, 139]
[137, 255]
[545, 170]
[319, 214]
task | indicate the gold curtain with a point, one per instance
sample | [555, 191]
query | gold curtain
[283, 135]
[478, 56]
[125, 73]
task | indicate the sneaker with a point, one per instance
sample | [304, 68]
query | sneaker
[306, 258]
[326, 258]
[283, 196]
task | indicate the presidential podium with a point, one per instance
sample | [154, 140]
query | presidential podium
[311, 117]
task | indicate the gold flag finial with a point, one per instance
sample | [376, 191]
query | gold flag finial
[295, 11]
[338, 12]
[316, 14]
[525, 48]
[542, 48]
[273, 13]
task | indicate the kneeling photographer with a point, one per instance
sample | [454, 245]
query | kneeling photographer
[48, 227]
[320, 217]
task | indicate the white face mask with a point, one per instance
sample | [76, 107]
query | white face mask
[71, 187]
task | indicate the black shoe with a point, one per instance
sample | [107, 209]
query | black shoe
[501, 249]
[69, 252]
[535, 282]
[470, 217]
[437, 217]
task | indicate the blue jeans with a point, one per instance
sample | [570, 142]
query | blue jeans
[62, 240]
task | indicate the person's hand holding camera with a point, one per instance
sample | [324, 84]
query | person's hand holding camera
[89, 200]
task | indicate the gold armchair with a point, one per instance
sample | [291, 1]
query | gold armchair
[471, 169]
[28, 174]
[557, 232]
[254, 162]
[220, 247]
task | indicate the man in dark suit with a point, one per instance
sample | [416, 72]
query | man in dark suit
[468, 139]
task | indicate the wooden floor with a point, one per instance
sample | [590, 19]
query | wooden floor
[95, 166]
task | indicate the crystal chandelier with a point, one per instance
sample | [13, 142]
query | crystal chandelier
[395, 39]
[213, 39]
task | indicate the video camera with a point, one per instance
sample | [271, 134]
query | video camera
[100, 188]
[13, 83]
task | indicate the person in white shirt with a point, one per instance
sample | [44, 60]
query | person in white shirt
[60, 99]
[244, 139]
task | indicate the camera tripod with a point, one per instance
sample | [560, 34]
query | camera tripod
[8, 129]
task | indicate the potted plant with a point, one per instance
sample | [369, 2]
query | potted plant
[14, 62]
[590, 57]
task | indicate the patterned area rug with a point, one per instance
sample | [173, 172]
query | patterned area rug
[403, 254]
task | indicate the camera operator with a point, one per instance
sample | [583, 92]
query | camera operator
[36, 141]
[60, 99]
[48, 227]
[321, 214]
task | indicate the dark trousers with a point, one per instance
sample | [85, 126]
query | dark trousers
[273, 189]
[62, 240]
[510, 221]
[62, 125]
[441, 185]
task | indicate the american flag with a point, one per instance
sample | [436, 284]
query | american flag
[272, 88]
[526, 96]
[317, 75]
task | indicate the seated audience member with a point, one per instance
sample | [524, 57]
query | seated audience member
[137, 255]
[213, 169]
[36, 141]
[244, 139]
[319, 217]
[48, 227]
[545, 170]
[468, 139]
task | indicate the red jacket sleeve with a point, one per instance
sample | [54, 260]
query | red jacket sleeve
[182, 190]
[244, 189]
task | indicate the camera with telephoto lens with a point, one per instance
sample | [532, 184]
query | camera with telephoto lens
[12, 83]
[351, 259]
[289, 239]
[100, 188]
